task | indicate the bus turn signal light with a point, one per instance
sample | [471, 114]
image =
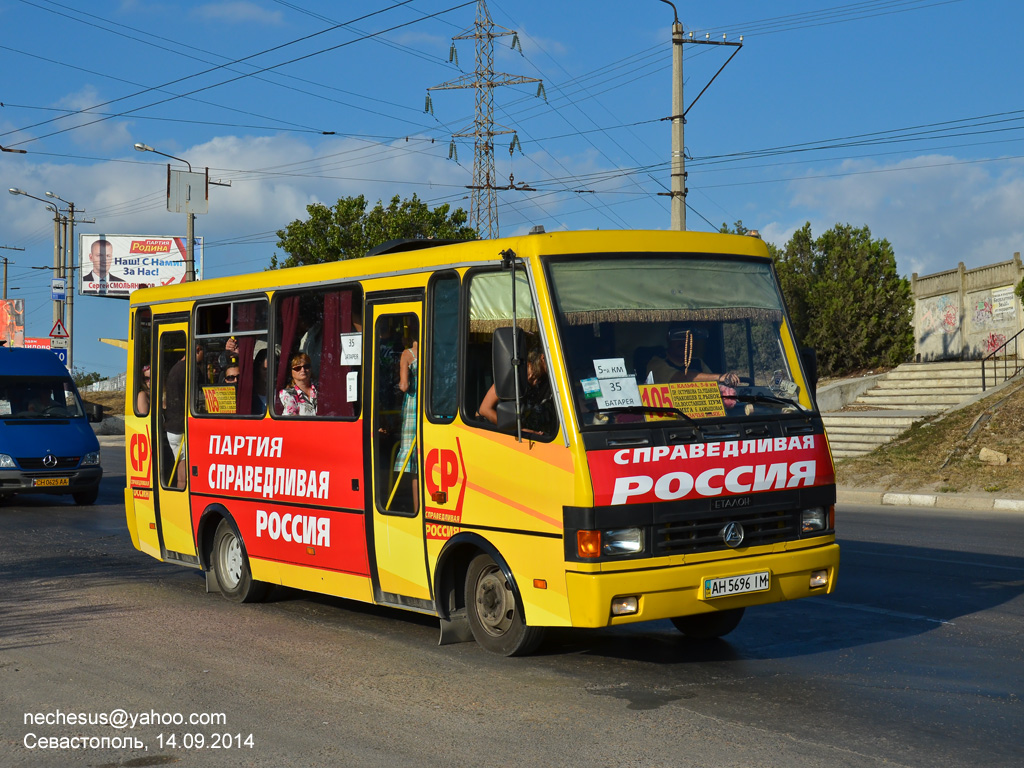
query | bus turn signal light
[588, 543]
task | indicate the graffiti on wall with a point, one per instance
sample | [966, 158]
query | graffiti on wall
[993, 342]
[939, 314]
[983, 311]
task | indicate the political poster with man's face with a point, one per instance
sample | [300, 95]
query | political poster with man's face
[116, 265]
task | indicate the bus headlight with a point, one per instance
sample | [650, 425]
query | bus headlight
[622, 541]
[814, 519]
[91, 459]
[6, 461]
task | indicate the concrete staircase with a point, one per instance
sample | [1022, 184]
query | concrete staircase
[903, 396]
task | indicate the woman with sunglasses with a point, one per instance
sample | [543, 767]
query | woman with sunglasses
[299, 397]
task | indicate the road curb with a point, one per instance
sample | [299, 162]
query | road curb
[932, 500]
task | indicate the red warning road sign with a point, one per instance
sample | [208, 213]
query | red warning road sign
[59, 331]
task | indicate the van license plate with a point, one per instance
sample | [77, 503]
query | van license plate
[737, 585]
[49, 482]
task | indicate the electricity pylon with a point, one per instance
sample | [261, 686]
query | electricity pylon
[483, 215]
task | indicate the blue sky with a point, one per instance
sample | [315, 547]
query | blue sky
[902, 115]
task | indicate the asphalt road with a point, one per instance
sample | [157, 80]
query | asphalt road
[916, 660]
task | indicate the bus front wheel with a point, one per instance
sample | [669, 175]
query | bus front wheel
[495, 612]
[706, 626]
[231, 566]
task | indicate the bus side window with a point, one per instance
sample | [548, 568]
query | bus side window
[231, 340]
[143, 340]
[443, 335]
[490, 308]
[326, 327]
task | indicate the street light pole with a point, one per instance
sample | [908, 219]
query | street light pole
[190, 218]
[58, 315]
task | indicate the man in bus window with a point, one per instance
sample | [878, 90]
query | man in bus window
[681, 364]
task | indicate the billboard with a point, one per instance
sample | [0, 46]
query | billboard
[12, 322]
[115, 265]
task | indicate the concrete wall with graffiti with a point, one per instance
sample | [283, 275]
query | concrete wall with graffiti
[968, 313]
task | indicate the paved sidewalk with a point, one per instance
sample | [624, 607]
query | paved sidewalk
[981, 502]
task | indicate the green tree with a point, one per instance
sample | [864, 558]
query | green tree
[846, 298]
[735, 229]
[85, 378]
[348, 231]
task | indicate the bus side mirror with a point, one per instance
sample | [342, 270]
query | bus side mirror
[809, 358]
[501, 363]
[506, 410]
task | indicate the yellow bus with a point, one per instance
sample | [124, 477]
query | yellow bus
[554, 430]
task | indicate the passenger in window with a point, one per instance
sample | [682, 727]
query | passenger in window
[259, 385]
[142, 401]
[679, 363]
[537, 400]
[311, 344]
[299, 397]
[231, 373]
[408, 367]
[174, 405]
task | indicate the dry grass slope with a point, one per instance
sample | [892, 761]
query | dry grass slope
[941, 453]
[112, 402]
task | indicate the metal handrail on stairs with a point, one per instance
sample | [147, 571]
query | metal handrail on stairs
[991, 356]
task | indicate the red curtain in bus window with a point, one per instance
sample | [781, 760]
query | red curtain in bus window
[245, 320]
[332, 394]
[288, 309]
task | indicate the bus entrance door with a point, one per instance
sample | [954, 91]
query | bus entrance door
[399, 549]
[170, 399]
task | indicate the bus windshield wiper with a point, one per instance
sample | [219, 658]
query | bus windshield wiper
[651, 409]
[767, 399]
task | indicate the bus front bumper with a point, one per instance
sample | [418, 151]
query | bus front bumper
[678, 590]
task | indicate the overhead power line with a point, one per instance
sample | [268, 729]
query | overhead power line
[233, 79]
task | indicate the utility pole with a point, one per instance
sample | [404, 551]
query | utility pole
[70, 284]
[678, 123]
[68, 271]
[6, 260]
[58, 221]
[483, 215]
[679, 110]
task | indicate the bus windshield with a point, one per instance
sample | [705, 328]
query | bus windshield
[663, 338]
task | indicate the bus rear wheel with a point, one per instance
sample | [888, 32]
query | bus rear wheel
[231, 567]
[706, 626]
[495, 611]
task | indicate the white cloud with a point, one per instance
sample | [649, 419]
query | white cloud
[238, 11]
[936, 210]
[93, 130]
